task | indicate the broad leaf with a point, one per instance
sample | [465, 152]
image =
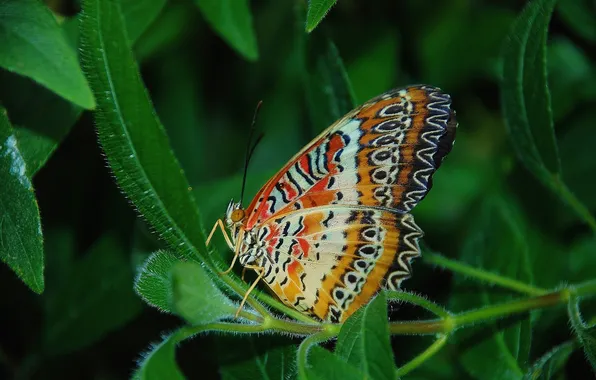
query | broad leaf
[232, 20]
[549, 364]
[317, 9]
[132, 137]
[94, 298]
[496, 243]
[34, 46]
[21, 241]
[524, 91]
[364, 340]
[195, 296]
[585, 334]
[153, 282]
[326, 365]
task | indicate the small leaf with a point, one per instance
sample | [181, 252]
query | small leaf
[579, 15]
[34, 46]
[364, 340]
[153, 283]
[132, 137]
[195, 296]
[524, 91]
[317, 10]
[586, 335]
[250, 357]
[21, 240]
[325, 365]
[232, 20]
[160, 361]
[549, 364]
[95, 298]
[496, 243]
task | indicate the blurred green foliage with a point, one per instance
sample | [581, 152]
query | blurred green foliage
[515, 198]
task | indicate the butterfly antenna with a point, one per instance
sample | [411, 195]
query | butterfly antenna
[250, 149]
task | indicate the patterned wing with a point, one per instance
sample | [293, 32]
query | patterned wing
[382, 154]
[328, 261]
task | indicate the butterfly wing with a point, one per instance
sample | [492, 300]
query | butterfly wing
[382, 154]
[328, 261]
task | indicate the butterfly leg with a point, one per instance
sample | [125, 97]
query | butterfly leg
[220, 224]
[261, 272]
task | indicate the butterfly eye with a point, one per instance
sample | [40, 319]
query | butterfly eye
[237, 215]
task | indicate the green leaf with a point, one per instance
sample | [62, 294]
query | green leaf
[328, 89]
[34, 46]
[262, 357]
[551, 363]
[496, 243]
[94, 298]
[138, 15]
[585, 334]
[38, 133]
[232, 20]
[153, 283]
[160, 361]
[317, 10]
[325, 365]
[132, 137]
[21, 240]
[364, 340]
[524, 91]
[579, 15]
[195, 296]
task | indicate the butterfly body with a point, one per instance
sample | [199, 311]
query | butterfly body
[332, 227]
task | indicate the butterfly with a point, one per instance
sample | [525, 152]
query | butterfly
[333, 226]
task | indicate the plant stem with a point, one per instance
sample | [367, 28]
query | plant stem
[419, 301]
[302, 354]
[482, 275]
[424, 356]
[570, 198]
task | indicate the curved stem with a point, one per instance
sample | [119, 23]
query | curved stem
[482, 275]
[422, 357]
[418, 301]
[302, 354]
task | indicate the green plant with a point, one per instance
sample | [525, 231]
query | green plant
[513, 275]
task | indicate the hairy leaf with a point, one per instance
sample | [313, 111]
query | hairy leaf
[131, 135]
[585, 334]
[160, 361]
[153, 282]
[326, 365]
[195, 296]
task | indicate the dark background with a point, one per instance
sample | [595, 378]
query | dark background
[205, 95]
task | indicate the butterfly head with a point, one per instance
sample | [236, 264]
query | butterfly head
[235, 215]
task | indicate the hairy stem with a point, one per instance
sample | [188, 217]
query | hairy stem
[482, 275]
